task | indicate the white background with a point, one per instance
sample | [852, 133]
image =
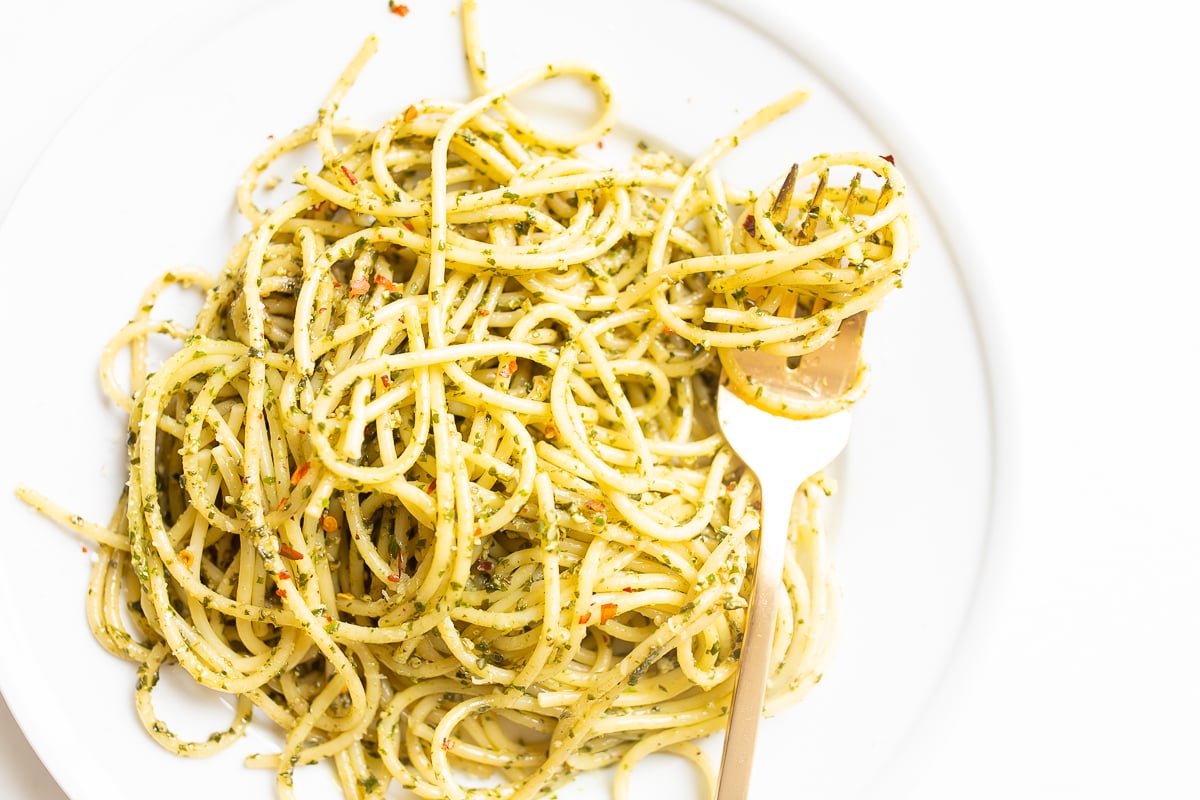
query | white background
[1063, 135]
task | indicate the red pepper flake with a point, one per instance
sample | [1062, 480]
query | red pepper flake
[600, 144]
[393, 578]
[329, 523]
[607, 612]
[300, 472]
[350, 176]
[271, 137]
[478, 531]
[284, 575]
[432, 487]
[483, 312]
[387, 284]
[483, 565]
[359, 287]
[386, 380]
[890, 159]
[595, 506]
[411, 112]
[750, 225]
[83, 549]
[281, 592]
[551, 430]
[283, 501]
[668, 330]
[408, 225]
[507, 370]
[628, 589]
[583, 619]
[290, 552]
[729, 487]
[447, 744]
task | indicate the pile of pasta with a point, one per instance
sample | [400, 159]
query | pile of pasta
[434, 481]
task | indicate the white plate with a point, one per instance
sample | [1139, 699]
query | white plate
[142, 179]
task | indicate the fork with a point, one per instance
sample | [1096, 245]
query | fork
[782, 453]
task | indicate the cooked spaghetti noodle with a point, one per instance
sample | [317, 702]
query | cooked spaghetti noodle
[434, 481]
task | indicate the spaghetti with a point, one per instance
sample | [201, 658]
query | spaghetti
[434, 481]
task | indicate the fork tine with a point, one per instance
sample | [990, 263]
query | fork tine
[850, 192]
[783, 200]
[814, 204]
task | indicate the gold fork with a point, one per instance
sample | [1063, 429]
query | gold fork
[782, 453]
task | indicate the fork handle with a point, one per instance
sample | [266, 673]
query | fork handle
[750, 685]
